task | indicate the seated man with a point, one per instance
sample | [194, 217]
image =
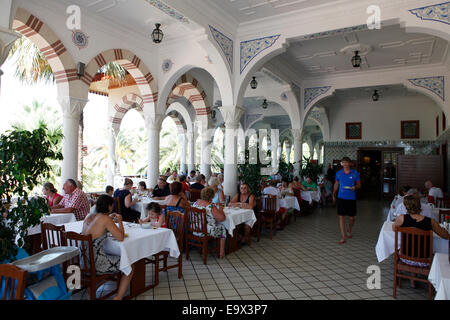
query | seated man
[161, 190]
[272, 189]
[173, 177]
[198, 183]
[433, 192]
[191, 177]
[309, 184]
[74, 201]
[426, 209]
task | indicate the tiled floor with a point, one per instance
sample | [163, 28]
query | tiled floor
[304, 261]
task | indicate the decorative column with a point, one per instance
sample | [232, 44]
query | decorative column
[288, 152]
[72, 108]
[7, 39]
[275, 149]
[112, 159]
[205, 167]
[153, 125]
[183, 143]
[191, 137]
[231, 116]
[297, 134]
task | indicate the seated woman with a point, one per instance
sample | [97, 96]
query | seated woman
[184, 185]
[176, 201]
[245, 200]
[142, 189]
[51, 194]
[214, 215]
[297, 184]
[414, 219]
[154, 216]
[126, 202]
[285, 189]
[219, 196]
[98, 224]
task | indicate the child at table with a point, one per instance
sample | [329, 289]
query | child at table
[154, 216]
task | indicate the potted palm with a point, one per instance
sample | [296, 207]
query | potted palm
[25, 158]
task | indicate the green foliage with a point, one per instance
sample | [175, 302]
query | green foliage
[24, 164]
[310, 169]
[285, 169]
[251, 173]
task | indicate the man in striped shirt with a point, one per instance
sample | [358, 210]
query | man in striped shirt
[74, 201]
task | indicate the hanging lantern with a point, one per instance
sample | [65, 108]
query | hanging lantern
[356, 60]
[375, 96]
[265, 104]
[254, 83]
[157, 34]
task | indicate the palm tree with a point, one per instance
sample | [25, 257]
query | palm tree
[32, 66]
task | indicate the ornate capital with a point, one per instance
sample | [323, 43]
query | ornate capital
[231, 116]
[155, 122]
[297, 134]
[72, 107]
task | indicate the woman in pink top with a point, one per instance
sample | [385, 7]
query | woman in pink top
[51, 193]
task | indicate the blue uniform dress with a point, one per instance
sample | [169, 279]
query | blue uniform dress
[346, 199]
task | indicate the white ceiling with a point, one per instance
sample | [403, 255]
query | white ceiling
[249, 10]
[138, 16]
[390, 47]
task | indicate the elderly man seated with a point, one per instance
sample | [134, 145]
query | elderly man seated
[426, 209]
[161, 190]
[173, 177]
[433, 192]
[74, 201]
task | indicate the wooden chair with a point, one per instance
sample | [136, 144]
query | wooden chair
[117, 209]
[175, 222]
[269, 216]
[443, 214]
[52, 236]
[256, 230]
[298, 195]
[89, 276]
[415, 245]
[443, 203]
[14, 279]
[196, 223]
[193, 195]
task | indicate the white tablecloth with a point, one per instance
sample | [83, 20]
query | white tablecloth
[440, 276]
[56, 219]
[386, 242]
[289, 202]
[236, 216]
[140, 243]
[311, 196]
[141, 205]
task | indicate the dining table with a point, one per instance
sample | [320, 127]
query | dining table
[386, 242]
[311, 195]
[234, 217]
[138, 245]
[439, 276]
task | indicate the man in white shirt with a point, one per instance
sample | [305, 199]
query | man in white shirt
[174, 177]
[433, 191]
[272, 190]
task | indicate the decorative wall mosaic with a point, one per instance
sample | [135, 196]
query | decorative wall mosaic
[167, 65]
[251, 48]
[434, 84]
[80, 39]
[338, 150]
[312, 93]
[436, 12]
[225, 43]
[168, 10]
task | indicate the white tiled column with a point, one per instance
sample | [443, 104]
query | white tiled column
[231, 116]
[153, 125]
[183, 143]
[191, 146]
[112, 159]
[297, 134]
[288, 152]
[72, 108]
[7, 38]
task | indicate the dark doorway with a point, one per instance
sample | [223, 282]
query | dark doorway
[370, 170]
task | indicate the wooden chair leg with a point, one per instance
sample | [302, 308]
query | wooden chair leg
[180, 266]
[157, 269]
[165, 262]
[93, 292]
[205, 251]
[187, 250]
[394, 293]
[430, 291]
[271, 224]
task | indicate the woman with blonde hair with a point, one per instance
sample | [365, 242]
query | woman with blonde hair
[51, 194]
[219, 196]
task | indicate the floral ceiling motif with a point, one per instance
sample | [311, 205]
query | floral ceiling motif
[251, 48]
[168, 10]
[225, 43]
[436, 12]
[434, 84]
[313, 93]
